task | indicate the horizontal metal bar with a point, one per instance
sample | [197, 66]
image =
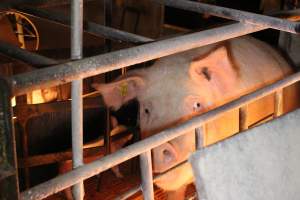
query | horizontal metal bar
[91, 27]
[66, 180]
[59, 74]
[97, 150]
[238, 15]
[45, 159]
[25, 56]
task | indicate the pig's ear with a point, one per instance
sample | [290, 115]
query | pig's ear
[117, 93]
[216, 68]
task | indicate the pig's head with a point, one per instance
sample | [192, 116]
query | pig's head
[172, 91]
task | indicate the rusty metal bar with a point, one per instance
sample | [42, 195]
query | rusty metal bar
[91, 27]
[278, 104]
[243, 115]
[59, 74]
[64, 181]
[25, 56]
[147, 177]
[9, 185]
[238, 15]
[77, 104]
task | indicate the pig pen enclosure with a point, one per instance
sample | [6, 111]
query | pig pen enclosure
[46, 123]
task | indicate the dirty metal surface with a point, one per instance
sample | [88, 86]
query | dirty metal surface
[8, 174]
[261, 163]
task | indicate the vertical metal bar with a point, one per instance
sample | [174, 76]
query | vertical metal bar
[9, 185]
[108, 20]
[278, 104]
[25, 153]
[107, 138]
[200, 137]
[147, 178]
[243, 118]
[77, 108]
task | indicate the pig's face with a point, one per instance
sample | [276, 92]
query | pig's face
[175, 89]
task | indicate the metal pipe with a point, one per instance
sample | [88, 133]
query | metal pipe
[238, 15]
[163, 175]
[66, 180]
[9, 182]
[25, 56]
[59, 74]
[146, 173]
[91, 27]
[76, 104]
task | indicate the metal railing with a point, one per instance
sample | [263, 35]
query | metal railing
[83, 68]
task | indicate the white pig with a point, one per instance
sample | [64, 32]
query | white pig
[183, 85]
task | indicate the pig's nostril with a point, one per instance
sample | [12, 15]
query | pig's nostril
[168, 157]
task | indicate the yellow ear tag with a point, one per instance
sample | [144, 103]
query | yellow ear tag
[124, 89]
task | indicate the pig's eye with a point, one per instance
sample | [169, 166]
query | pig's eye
[197, 107]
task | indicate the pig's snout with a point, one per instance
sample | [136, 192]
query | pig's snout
[164, 156]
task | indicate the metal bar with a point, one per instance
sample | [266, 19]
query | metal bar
[66, 180]
[25, 152]
[25, 56]
[91, 27]
[45, 159]
[243, 115]
[9, 184]
[147, 178]
[108, 44]
[108, 20]
[51, 76]
[163, 175]
[107, 137]
[238, 15]
[278, 104]
[200, 136]
[76, 104]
